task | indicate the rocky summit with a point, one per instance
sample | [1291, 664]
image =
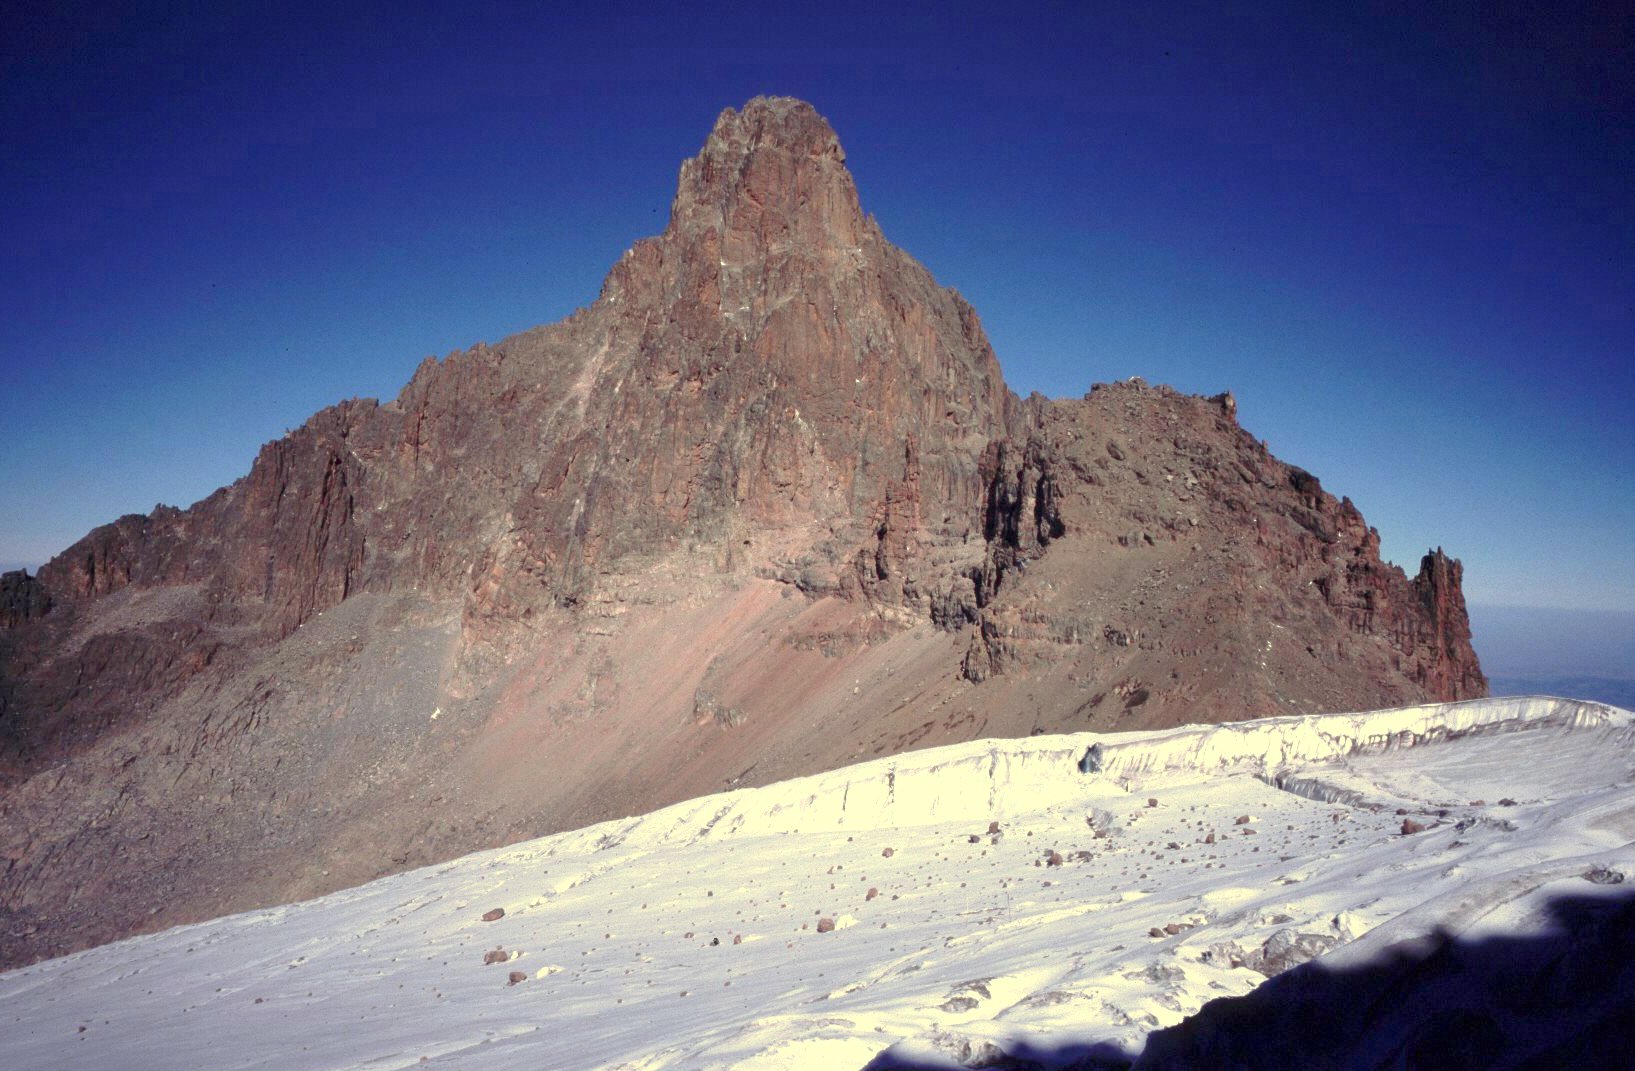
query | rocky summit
[764, 508]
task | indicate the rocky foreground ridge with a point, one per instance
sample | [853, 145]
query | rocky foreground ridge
[763, 508]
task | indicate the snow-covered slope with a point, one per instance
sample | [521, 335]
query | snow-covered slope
[1032, 897]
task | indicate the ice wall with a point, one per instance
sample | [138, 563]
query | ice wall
[984, 779]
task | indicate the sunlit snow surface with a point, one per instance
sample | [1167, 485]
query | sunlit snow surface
[688, 938]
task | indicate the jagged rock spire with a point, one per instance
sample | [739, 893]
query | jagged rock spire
[790, 347]
[770, 176]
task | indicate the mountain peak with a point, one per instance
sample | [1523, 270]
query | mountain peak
[766, 506]
[786, 123]
[772, 173]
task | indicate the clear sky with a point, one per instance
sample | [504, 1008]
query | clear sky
[1404, 240]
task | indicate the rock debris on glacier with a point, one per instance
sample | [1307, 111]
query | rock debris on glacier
[942, 907]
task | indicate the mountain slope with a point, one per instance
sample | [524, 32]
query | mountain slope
[765, 507]
[987, 899]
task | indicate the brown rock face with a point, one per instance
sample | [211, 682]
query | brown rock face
[765, 507]
[22, 598]
[1142, 535]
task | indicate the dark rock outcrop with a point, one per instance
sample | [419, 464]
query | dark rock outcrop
[22, 598]
[771, 479]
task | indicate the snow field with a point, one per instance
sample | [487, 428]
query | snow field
[689, 938]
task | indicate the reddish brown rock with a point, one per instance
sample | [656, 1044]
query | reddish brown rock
[1106, 483]
[771, 444]
[22, 598]
[494, 914]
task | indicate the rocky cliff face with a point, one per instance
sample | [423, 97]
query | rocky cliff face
[1210, 575]
[764, 507]
[22, 598]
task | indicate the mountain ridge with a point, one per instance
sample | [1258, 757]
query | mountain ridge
[764, 506]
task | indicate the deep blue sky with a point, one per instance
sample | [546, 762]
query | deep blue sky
[1404, 240]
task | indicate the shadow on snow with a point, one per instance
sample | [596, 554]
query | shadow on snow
[1562, 997]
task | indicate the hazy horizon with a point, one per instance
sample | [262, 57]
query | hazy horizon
[1537, 642]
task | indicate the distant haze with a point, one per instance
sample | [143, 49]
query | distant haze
[1520, 641]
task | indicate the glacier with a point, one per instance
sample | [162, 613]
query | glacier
[979, 903]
